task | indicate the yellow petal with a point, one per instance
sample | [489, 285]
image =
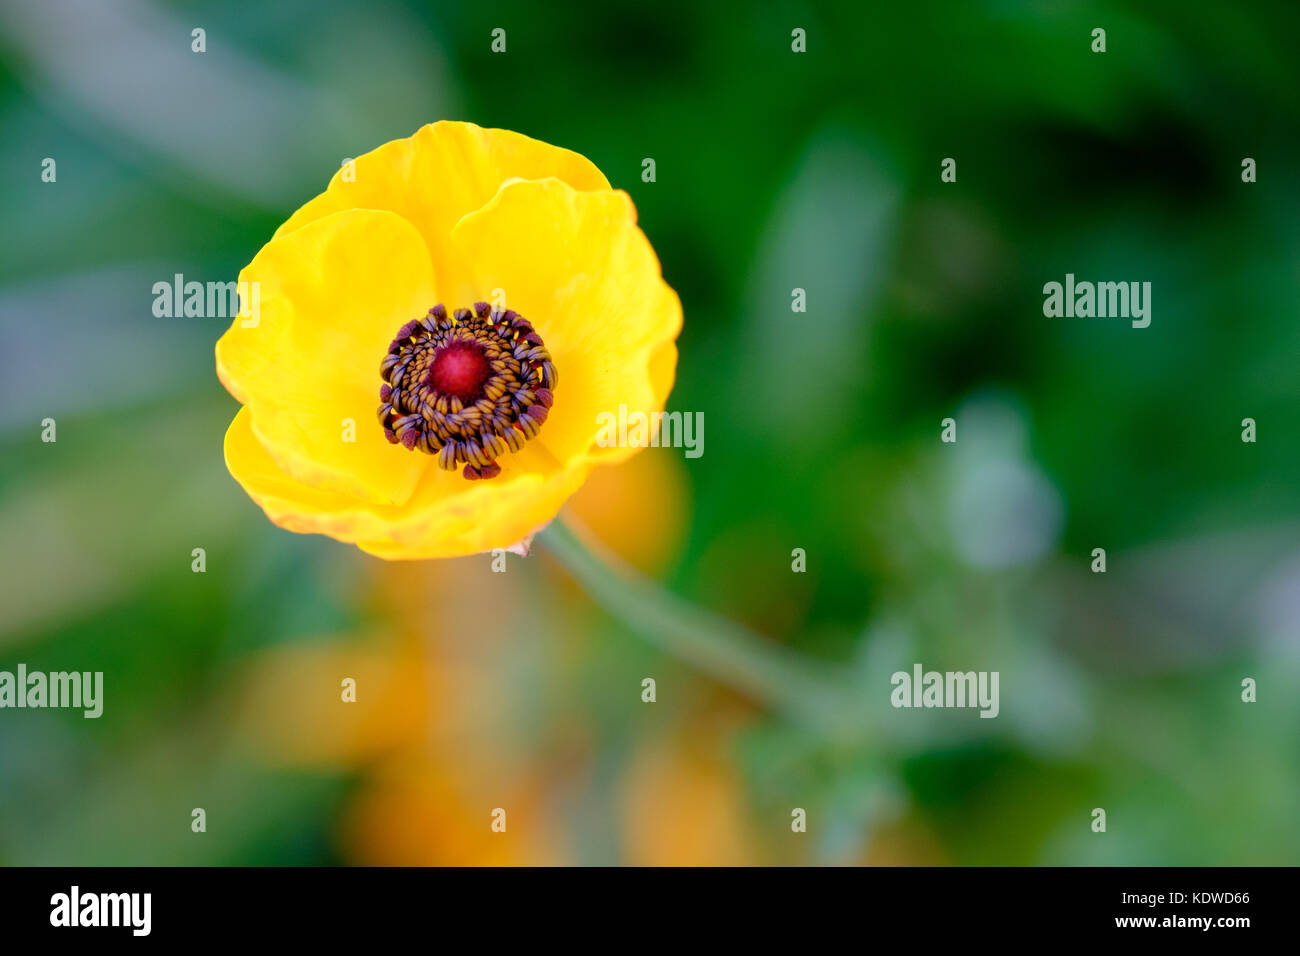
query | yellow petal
[445, 517]
[576, 265]
[292, 504]
[439, 174]
[472, 517]
[332, 296]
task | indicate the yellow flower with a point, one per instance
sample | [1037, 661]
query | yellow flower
[490, 295]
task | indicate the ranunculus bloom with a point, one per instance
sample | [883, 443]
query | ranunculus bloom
[566, 316]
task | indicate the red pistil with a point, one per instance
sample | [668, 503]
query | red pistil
[459, 369]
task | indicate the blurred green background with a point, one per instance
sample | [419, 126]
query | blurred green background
[775, 170]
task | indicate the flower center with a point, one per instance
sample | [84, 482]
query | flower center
[459, 369]
[467, 387]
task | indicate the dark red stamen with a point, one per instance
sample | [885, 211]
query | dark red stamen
[467, 387]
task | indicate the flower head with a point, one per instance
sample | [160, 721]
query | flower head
[449, 281]
[466, 387]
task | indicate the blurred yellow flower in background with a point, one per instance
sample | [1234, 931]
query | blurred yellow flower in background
[428, 733]
[414, 811]
[417, 735]
[453, 718]
[351, 317]
[292, 706]
[684, 803]
[615, 501]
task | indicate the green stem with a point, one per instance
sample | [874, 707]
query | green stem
[721, 648]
